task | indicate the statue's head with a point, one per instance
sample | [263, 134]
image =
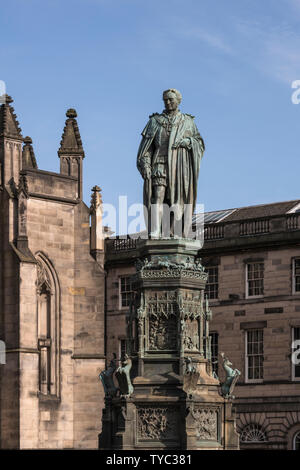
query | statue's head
[172, 99]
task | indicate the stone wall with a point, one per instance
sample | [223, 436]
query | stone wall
[59, 231]
[9, 311]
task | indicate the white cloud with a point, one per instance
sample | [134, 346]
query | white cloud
[211, 38]
[270, 47]
[273, 49]
[269, 44]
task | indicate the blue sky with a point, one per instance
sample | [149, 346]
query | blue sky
[233, 61]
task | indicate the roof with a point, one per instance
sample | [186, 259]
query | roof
[213, 217]
[252, 212]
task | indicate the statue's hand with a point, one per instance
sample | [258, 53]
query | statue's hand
[184, 143]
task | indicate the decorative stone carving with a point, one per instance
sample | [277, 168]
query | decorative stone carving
[163, 267]
[28, 157]
[162, 311]
[191, 336]
[206, 421]
[141, 309]
[190, 305]
[172, 271]
[190, 368]
[173, 274]
[71, 143]
[9, 125]
[22, 219]
[23, 185]
[96, 199]
[191, 318]
[157, 424]
[159, 262]
[190, 377]
[162, 333]
[43, 279]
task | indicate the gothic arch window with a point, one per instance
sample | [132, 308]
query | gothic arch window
[253, 433]
[296, 441]
[48, 310]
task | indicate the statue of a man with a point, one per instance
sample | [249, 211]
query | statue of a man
[168, 159]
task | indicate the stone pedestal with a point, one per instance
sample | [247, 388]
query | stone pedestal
[176, 401]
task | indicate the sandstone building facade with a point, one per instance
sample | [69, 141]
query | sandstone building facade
[52, 296]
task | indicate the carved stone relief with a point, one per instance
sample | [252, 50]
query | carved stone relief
[172, 273]
[206, 421]
[157, 424]
[190, 304]
[43, 279]
[162, 313]
[191, 335]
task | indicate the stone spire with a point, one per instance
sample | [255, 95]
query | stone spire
[71, 140]
[71, 151]
[96, 199]
[10, 144]
[9, 126]
[28, 157]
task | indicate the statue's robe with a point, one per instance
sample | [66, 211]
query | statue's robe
[183, 164]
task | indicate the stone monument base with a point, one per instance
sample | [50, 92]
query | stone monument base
[160, 415]
[176, 401]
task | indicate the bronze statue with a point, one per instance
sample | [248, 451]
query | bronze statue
[123, 377]
[168, 159]
[232, 376]
[106, 377]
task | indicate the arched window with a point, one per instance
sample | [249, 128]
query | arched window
[253, 433]
[48, 326]
[296, 441]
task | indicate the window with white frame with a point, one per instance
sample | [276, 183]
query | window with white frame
[296, 275]
[255, 279]
[254, 355]
[126, 291]
[212, 285]
[295, 357]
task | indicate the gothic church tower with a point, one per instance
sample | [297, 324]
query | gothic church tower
[51, 296]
